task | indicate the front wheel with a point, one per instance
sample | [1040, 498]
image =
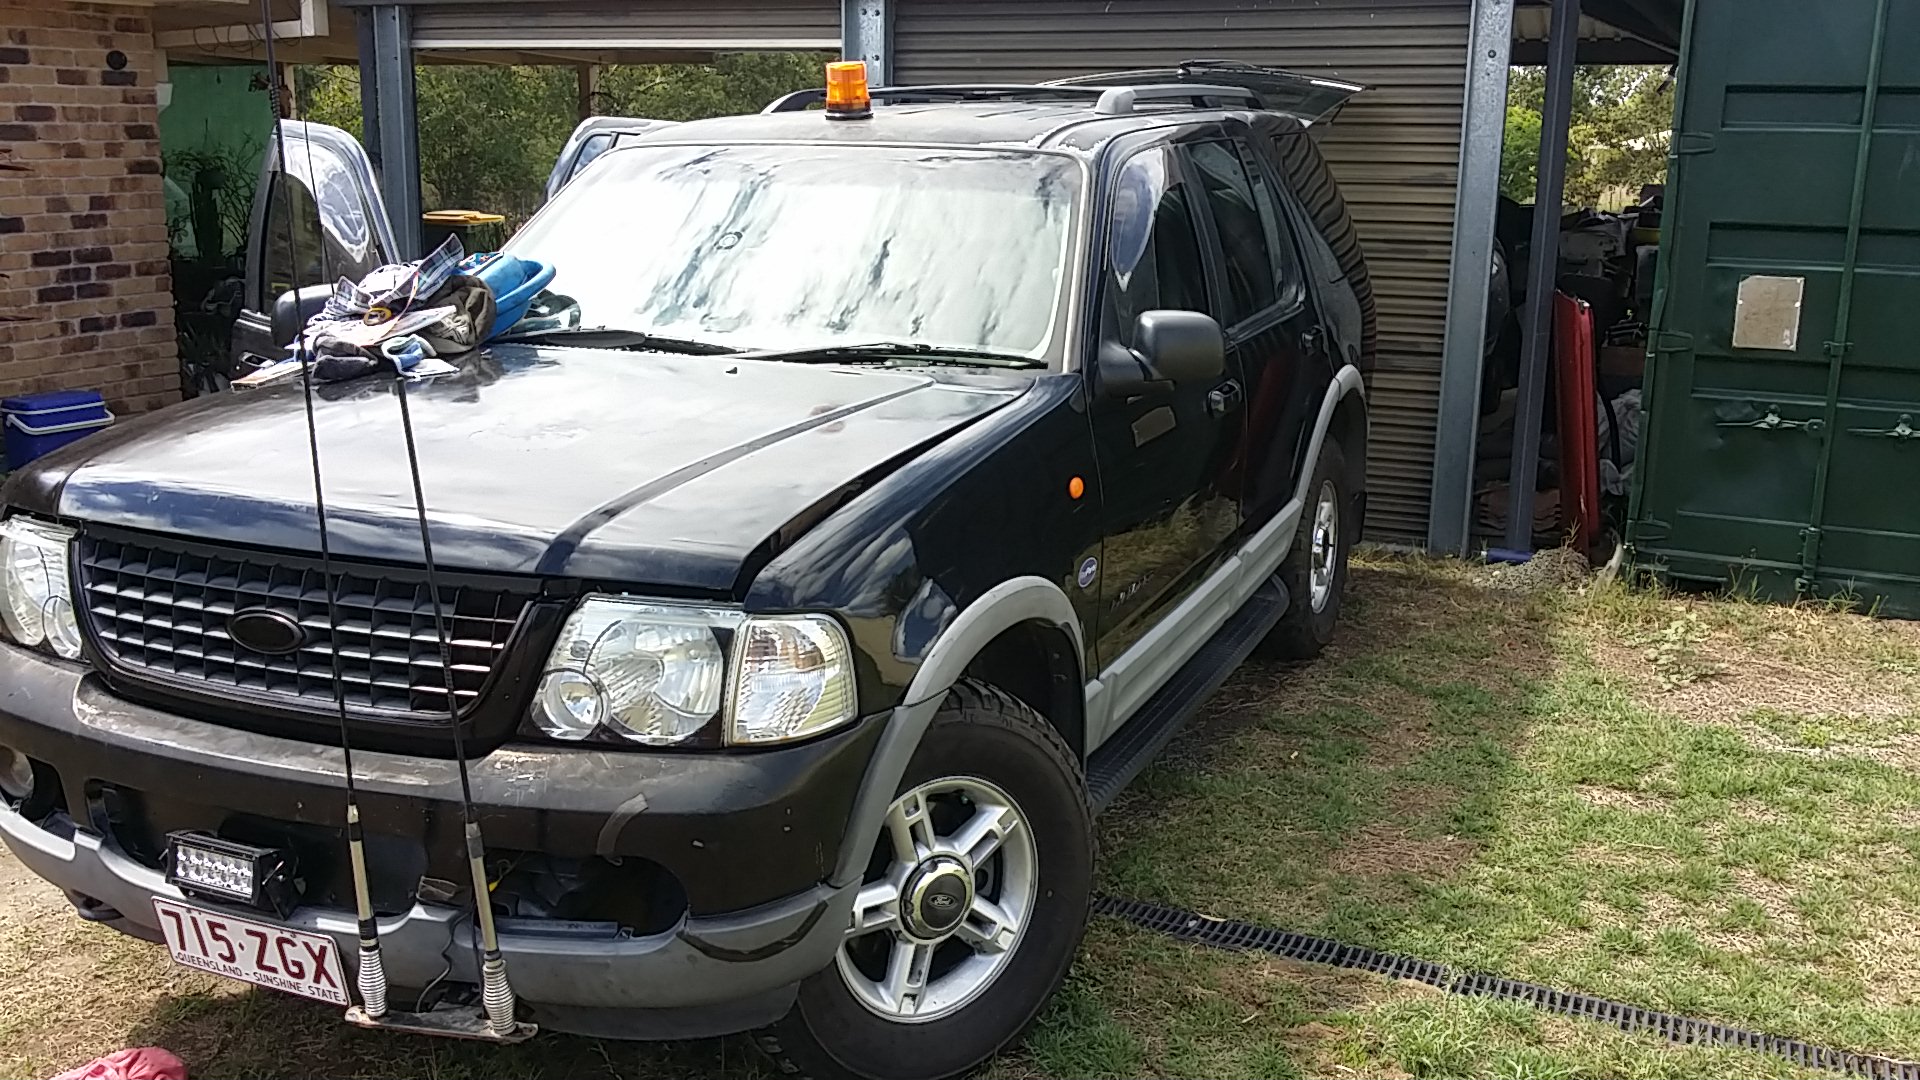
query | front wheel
[972, 907]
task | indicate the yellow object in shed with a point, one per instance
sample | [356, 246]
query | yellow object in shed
[479, 230]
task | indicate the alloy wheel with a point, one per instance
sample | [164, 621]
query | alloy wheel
[1323, 561]
[945, 901]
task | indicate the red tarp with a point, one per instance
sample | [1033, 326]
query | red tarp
[1579, 427]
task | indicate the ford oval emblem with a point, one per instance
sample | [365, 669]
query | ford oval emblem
[1089, 572]
[264, 630]
[941, 901]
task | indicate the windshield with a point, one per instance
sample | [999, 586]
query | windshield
[788, 247]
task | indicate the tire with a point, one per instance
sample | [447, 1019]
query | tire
[1312, 614]
[987, 738]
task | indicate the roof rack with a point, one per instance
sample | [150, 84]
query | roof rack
[1308, 98]
[1108, 100]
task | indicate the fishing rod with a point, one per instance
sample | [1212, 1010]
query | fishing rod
[496, 993]
[497, 996]
[371, 976]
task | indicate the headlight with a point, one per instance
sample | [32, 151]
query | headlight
[660, 674]
[33, 573]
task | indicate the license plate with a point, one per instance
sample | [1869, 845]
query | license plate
[265, 955]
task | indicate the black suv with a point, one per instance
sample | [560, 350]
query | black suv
[874, 498]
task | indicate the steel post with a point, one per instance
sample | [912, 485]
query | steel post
[1563, 47]
[866, 33]
[1483, 136]
[392, 131]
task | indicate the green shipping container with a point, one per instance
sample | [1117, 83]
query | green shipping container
[1781, 446]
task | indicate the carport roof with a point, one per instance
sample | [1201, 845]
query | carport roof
[1611, 31]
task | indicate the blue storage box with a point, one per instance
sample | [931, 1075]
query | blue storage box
[42, 423]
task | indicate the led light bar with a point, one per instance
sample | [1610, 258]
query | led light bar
[216, 868]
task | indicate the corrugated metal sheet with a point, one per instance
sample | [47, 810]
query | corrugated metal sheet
[1395, 150]
[606, 25]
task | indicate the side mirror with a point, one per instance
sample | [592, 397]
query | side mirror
[1169, 347]
[293, 308]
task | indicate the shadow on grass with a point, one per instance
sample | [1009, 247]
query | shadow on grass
[1327, 796]
[260, 1033]
[1339, 798]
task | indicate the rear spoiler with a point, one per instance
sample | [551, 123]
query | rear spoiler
[1306, 98]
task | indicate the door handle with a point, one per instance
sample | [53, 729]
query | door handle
[1224, 399]
[1773, 421]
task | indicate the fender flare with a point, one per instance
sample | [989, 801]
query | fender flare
[1346, 381]
[1006, 605]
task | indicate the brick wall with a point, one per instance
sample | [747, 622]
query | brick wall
[84, 281]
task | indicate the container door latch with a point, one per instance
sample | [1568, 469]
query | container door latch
[1903, 430]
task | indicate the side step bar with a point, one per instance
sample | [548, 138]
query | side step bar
[1121, 758]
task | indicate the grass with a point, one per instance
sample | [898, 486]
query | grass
[1702, 806]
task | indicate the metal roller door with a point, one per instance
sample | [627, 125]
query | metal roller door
[1395, 150]
[610, 25]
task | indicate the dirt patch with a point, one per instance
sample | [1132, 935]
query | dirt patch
[1406, 731]
[1774, 897]
[1884, 959]
[1747, 681]
[70, 990]
[1621, 856]
[1710, 662]
[1760, 813]
[1616, 799]
[1409, 801]
[1721, 680]
[1384, 849]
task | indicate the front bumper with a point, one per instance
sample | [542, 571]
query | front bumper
[745, 965]
[753, 837]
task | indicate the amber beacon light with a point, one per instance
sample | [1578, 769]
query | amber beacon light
[847, 97]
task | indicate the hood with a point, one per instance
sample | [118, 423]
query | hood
[585, 463]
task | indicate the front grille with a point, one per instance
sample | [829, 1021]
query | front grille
[159, 609]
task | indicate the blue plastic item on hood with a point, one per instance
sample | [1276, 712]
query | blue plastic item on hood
[514, 282]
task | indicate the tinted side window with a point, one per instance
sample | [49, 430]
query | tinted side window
[1273, 219]
[1245, 218]
[1153, 250]
[319, 197]
[293, 228]
[593, 147]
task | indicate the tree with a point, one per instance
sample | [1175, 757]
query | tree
[489, 134]
[1622, 121]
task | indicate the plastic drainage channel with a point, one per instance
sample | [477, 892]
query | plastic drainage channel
[1246, 937]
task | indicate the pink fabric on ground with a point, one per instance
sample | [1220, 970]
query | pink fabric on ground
[141, 1063]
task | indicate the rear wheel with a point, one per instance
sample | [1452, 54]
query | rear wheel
[1315, 571]
[972, 907]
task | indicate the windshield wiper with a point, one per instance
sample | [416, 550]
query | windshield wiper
[607, 337]
[917, 352]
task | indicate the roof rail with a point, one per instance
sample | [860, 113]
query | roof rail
[1120, 100]
[1107, 100]
[1308, 98]
[800, 100]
